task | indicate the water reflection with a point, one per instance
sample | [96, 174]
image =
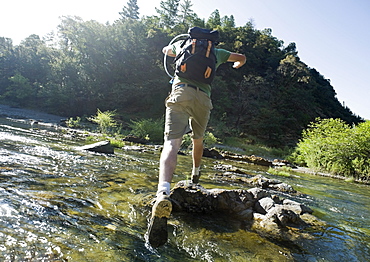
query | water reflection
[61, 204]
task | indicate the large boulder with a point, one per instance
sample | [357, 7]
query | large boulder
[257, 209]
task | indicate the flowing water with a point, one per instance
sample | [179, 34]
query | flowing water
[58, 203]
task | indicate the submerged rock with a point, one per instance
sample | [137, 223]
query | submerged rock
[238, 176]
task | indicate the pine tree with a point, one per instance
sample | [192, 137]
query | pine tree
[131, 11]
[214, 20]
[228, 21]
[168, 12]
[187, 15]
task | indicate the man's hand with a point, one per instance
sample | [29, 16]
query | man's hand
[238, 64]
[167, 50]
[238, 59]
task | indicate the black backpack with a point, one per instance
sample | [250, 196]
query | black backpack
[197, 59]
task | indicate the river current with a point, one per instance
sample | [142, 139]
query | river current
[58, 203]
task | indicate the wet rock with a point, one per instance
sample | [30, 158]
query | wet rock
[263, 205]
[104, 147]
[282, 187]
[296, 207]
[134, 148]
[284, 217]
[135, 139]
[196, 199]
[259, 193]
[238, 176]
[281, 163]
[264, 212]
[229, 168]
[248, 159]
[212, 153]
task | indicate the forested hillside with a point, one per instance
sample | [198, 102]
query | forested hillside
[88, 65]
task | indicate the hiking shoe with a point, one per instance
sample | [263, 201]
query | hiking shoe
[157, 232]
[195, 178]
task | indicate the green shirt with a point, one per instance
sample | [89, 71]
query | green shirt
[222, 56]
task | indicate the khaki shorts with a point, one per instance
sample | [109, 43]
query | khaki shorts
[187, 109]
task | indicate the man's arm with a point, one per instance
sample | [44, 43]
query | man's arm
[238, 59]
[167, 50]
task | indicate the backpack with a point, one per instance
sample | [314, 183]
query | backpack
[197, 59]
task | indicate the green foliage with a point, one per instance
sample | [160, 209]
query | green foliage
[20, 89]
[214, 20]
[74, 122]
[280, 171]
[148, 129]
[117, 142]
[186, 142]
[105, 120]
[210, 139]
[168, 12]
[250, 146]
[119, 67]
[332, 145]
[131, 11]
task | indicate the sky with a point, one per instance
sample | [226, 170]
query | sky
[331, 36]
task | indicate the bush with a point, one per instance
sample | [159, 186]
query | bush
[74, 123]
[210, 139]
[104, 120]
[148, 129]
[333, 146]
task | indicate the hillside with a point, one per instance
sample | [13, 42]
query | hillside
[119, 66]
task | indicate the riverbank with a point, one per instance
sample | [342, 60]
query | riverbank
[29, 114]
[34, 116]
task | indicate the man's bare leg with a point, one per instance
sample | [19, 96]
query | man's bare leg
[157, 232]
[167, 164]
[197, 158]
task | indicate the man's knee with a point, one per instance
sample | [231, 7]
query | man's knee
[172, 144]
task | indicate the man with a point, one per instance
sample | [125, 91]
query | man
[188, 106]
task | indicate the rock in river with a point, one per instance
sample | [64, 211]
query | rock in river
[263, 211]
[99, 147]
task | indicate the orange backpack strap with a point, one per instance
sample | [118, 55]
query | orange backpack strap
[209, 48]
[193, 46]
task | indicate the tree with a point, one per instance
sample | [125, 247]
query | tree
[214, 20]
[228, 21]
[8, 62]
[186, 14]
[119, 67]
[168, 12]
[131, 11]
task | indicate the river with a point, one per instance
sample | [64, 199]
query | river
[58, 203]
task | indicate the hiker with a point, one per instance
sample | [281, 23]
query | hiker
[187, 109]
